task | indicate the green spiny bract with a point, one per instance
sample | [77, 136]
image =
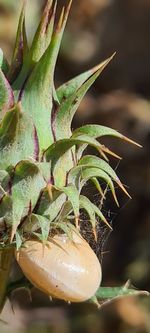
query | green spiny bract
[42, 171]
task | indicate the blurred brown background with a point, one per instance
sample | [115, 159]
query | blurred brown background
[119, 99]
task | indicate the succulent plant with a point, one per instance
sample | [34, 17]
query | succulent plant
[42, 166]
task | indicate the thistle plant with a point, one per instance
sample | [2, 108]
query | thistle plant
[43, 166]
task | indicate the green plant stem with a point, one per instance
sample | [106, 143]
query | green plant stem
[6, 256]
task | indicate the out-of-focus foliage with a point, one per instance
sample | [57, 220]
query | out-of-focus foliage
[9, 3]
[124, 316]
[9, 14]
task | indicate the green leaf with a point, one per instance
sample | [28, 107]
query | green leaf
[61, 158]
[68, 228]
[100, 215]
[94, 161]
[4, 182]
[72, 97]
[97, 162]
[6, 94]
[86, 204]
[117, 292]
[17, 138]
[66, 211]
[57, 149]
[6, 209]
[88, 173]
[74, 175]
[8, 127]
[30, 225]
[51, 205]
[44, 32]
[97, 131]
[95, 181]
[65, 228]
[82, 173]
[37, 93]
[27, 185]
[73, 196]
[19, 240]
[20, 49]
[3, 63]
[92, 209]
[44, 224]
[45, 168]
[61, 168]
[69, 88]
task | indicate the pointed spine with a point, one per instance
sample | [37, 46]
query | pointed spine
[20, 49]
[44, 32]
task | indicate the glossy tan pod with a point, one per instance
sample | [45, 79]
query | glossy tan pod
[63, 268]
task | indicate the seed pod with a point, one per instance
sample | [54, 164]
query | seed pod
[63, 268]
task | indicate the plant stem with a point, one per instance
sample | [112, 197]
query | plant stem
[6, 256]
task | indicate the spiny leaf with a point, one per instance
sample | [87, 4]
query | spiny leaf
[85, 204]
[44, 32]
[66, 210]
[92, 210]
[45, 168]
[69, 88]
[95, 301]
[30, 225]
[103, 150]
[6, 209]
[57, 149]
[73, 196]
[65, 228]
[37, 94]
[51, 206]
[97, 131]
[98, 186]
[19, 240]
[62, 158]
[74, 175]
[44, 223]
[117, 292]
[82, 173]
[8, 127]
[6, 95]
[95, 161]
[89, 172]
[4, 182]
[27, 185]
[101, 216]
[20, 49]
[68, 228]
[3, 63]
[17, 138]
[63, 165]
[66, 110]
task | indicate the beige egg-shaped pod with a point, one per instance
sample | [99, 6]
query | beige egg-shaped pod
[63, 268]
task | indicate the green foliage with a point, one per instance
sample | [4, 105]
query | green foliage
[108, 294]
[16, 138]
[6, 94]
[71, 98]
